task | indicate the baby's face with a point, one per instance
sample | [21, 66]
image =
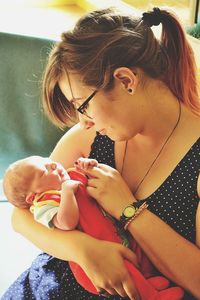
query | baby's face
[47, 175]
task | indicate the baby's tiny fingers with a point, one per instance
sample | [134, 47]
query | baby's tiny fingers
[93, 162]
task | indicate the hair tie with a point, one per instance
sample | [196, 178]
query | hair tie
[152, 18]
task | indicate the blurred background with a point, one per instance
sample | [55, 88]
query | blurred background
[48, 18]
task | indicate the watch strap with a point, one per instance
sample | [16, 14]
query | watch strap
[140, 209]
[136, 205]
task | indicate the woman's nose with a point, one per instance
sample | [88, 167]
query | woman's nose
[85, 122]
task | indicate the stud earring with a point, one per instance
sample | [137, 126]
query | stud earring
[130, 91]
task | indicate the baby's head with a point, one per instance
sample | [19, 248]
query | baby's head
[29, 176]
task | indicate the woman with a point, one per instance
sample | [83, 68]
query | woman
[137, 102]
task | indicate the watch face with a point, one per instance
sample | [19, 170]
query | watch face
[129, 211]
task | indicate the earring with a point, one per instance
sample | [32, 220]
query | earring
[130, 91]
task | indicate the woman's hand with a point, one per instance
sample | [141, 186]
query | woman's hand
[109, 189]
[108, 272]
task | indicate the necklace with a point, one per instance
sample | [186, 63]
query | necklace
[157, 156]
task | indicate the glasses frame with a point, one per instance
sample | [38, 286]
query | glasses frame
[81, 108]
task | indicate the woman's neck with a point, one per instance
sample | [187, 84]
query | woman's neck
[161, 110]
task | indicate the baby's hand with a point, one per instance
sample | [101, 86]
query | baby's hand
[71, 185]
[86, 163]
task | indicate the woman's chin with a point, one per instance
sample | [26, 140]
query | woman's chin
[117, 138]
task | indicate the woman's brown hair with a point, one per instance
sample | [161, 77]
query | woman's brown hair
[104, 40]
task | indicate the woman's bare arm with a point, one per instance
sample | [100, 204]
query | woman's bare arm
[173, 255]
[198, 226]
[66, 152]
[58, 243]
[91, 254]
[88, 252]
[75, 143]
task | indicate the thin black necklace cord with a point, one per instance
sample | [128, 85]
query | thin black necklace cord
[157, 156]
[122, 169]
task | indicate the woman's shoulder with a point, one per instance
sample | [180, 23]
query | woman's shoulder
[190, 126]
[79, 133]
[74, 143]
[196, 125]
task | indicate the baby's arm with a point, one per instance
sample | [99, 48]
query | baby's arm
[67, 217]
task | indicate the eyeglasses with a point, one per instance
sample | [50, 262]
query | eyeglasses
[82, 109]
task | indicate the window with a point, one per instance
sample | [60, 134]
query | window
[183, 9]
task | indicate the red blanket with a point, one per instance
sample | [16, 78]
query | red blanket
[95, 223]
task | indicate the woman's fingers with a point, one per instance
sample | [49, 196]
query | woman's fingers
[130, 289]
[103, 292]
[128, 286]
[130, 256]
[97, 172]
[109, 272]
[125, 289]
[119, 290]
[106, 168]
[95, 188]
[93, 182]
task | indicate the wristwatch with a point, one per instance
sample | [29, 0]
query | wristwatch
[129, 212]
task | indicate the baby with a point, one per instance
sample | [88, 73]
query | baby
[58, 198]
[45, 186]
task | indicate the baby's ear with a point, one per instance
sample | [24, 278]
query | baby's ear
[30, 197]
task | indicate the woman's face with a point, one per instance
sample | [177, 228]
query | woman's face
[111, 113]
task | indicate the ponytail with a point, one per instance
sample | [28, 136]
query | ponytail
[181, 76]
[104, 40]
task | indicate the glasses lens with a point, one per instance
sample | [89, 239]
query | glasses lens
[74, 112]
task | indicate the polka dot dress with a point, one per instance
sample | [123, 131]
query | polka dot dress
[175, 202]
[102, 149]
